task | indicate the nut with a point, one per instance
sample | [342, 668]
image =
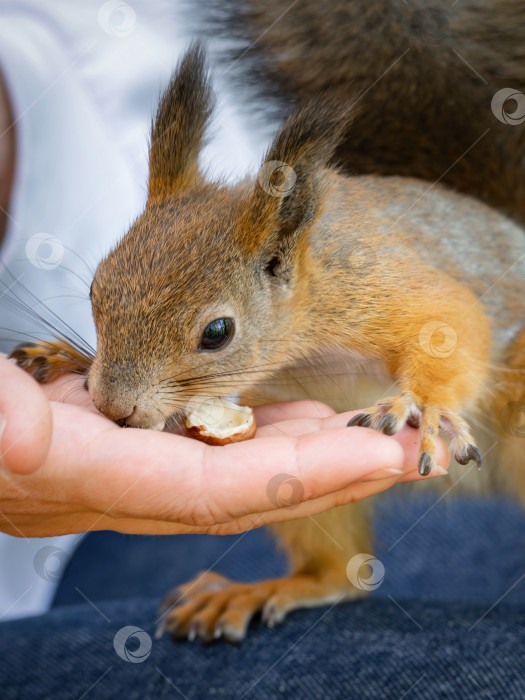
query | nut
[218, 421]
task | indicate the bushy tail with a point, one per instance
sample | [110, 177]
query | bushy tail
[425, 75]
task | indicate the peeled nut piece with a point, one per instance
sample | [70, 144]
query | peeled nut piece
[218, 421]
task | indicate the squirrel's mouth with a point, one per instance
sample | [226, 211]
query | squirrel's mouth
[206, 410]
[159, 426]
[130, 422]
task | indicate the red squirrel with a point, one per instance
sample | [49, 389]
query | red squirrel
[216, 288]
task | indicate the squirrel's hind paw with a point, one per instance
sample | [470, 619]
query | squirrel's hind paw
[211, 606]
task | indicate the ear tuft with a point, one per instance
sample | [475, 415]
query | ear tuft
[289, 188]
[309, 136]
[179, 125]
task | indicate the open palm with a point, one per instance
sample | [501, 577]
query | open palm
[97, 476]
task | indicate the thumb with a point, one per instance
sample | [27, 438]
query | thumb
[25, 420]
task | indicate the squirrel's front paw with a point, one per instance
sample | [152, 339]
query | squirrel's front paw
[46, 361]
[211, 606]
[391, 414]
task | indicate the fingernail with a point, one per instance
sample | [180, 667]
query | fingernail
[439, 471]
[386, 473]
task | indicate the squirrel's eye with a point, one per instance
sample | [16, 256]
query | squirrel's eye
[217, 334]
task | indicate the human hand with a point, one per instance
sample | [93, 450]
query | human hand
[97, 476]
[25, 420]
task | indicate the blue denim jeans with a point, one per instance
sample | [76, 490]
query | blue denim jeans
[448, 621]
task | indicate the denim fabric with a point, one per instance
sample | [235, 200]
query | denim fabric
[447, 622]
[368, 650]
[458, 550]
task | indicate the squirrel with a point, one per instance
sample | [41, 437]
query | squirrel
[216, 288]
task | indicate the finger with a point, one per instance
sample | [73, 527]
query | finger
[25, 420]
[247, 478]
[286, 410]
[369, 485]
[408, 438]
[410, 441]
[352, 493]
[145, 526]
[69, 388]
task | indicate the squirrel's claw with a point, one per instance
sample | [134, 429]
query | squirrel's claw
[391, 414]
[470, 453]
[362, 419]
[425, 464]
[388, 424]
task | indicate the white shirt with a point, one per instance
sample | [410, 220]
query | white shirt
[84, 79]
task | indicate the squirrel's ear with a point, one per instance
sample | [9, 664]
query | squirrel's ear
[179, 125]
[289, 188]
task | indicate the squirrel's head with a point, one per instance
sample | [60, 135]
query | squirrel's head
[200, 297]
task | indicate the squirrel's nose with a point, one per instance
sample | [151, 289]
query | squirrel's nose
[139, 418]
[151, 419]
[124, 400]
[124, 413]
[116, 406]
[112, 394]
